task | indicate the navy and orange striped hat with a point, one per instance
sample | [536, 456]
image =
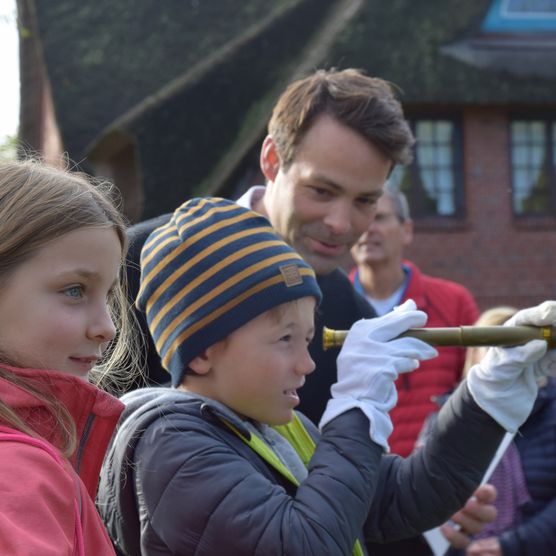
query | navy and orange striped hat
[214, 267]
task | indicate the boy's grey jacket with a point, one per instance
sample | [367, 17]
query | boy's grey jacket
[199, 489]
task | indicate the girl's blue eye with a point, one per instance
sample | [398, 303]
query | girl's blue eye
[75, 292]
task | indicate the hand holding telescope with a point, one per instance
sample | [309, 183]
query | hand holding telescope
[464, 336]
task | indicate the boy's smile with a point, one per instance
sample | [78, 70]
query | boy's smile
[257, 370]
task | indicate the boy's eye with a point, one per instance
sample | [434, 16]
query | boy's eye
[75, 292]
[286, 338]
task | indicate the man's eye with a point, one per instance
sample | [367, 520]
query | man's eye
[74, 291]
[321, 191]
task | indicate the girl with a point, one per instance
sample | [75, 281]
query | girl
[60, 306]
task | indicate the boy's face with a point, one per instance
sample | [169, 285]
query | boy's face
[257, 370]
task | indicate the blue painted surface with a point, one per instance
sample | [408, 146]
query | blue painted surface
[521, 16]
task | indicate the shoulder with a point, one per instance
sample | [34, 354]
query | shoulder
[34, 464]
[445, 295]
[340, 296]
[178, 432]
[37, 513]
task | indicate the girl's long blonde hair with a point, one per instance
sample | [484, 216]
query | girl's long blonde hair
[39, 204]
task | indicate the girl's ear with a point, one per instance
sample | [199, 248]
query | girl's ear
[200, 365]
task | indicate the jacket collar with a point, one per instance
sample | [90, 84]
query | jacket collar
[95, 414]
[415, 288]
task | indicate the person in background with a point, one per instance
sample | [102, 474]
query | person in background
[333, 139]
[524, 477]
[386, 279]
[61, 305]
[222, 464]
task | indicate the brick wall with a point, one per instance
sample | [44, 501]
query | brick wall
[501, 259]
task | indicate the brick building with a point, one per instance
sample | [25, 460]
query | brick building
[171, 99]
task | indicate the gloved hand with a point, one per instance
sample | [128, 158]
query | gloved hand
[369, 363]
[504, 383]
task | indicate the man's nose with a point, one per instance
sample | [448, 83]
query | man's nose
[339, 218]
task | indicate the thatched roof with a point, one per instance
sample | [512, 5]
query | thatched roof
[191, 83]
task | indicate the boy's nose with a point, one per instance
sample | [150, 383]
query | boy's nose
[305, 365]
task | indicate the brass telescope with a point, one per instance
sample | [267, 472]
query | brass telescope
[463, 336]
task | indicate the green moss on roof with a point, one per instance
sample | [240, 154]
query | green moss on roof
[105, 56]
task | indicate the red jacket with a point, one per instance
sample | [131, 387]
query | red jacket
[37, 500]
[447, 304]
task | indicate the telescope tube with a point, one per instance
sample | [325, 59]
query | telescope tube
[463, 336]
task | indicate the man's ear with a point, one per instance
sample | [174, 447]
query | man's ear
[200, 365]
[270, 161]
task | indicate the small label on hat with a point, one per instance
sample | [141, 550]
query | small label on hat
[291, 275]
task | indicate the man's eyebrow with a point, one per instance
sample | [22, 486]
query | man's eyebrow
[331, 183]
[323, 179]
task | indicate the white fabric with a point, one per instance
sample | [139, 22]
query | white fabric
[383, 306]
[504, 383]
[251, 196]
[368, 364]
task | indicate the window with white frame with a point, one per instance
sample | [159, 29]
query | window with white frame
[433, 182]
[533, 156]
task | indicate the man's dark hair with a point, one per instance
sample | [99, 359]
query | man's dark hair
[365, 104]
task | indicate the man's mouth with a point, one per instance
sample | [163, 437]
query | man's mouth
[327, 248]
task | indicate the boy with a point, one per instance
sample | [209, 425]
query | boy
[221, 464]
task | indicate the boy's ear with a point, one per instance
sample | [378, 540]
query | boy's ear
[200, 365]
[270, 161]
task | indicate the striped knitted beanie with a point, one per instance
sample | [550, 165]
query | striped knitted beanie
[214, 267]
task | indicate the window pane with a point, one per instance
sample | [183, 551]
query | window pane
[537, 153]
[425, 155]
[396, 177]
[444, 131]
[424, 131]
[519, 155]
[445, 189]
[533, 154]
[431, 190]
[444, 156]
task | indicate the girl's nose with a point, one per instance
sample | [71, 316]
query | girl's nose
[102, 327]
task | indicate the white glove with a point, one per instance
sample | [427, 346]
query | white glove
[504, 383]
[369, 363]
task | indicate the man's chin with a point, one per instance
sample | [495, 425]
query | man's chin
[322, 264]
